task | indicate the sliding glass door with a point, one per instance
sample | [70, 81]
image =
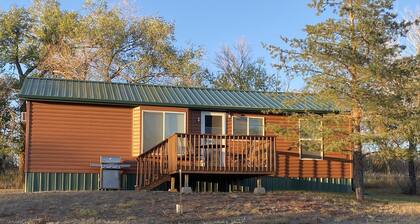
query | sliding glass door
[159, 125]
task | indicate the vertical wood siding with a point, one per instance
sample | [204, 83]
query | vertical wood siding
[27, 133]
[68, 137]
[136, 132]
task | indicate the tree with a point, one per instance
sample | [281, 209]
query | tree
[237, 70]
[397, 122]
[100, 44]
[106, 45]
[411, 98]
[20, 53]
[19, 48]
[344, 58]
[10, 142]
[398, 116]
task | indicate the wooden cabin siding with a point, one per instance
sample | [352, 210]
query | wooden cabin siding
[289, 164]
[68, 137]
[194, 121]
[136, 131]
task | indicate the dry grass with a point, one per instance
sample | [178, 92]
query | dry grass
[9, 179]
[159, 207]
[392, 183]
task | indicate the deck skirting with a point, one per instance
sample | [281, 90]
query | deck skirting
[307, 184]
[59, 181]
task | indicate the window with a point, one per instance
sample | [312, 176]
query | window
[174, 123]
[310, 139]
[158, 126]
[240, 125]
[255, 126]
[213, 124]
[248, 125]
[152, 129]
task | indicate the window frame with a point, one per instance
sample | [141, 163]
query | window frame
[211, 113]
[163, 129]
[321, 139]
[247, 124]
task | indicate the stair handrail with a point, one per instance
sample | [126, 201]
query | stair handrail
[161, 164]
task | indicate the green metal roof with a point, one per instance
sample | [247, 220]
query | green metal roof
[138, 94]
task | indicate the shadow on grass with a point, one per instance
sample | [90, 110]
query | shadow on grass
[387, 195]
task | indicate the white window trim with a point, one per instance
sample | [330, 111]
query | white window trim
[247, 124]
[202, 120]
[163, 129]
[310, 139]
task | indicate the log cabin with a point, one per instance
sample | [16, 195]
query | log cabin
[219, 140]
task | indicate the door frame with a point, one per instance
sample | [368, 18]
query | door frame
[224, 124]
[202, 120]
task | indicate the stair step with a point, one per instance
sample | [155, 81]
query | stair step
[149, 185]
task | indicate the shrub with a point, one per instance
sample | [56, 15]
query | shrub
[10, 179]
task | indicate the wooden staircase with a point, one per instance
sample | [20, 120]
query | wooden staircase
[152, 167]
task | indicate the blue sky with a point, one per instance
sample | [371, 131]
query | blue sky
[212, 24]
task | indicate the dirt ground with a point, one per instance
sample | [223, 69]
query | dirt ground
[159, 207]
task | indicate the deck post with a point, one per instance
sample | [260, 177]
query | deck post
[259, 189]
[186, 189]
[173, 189]
[138, 177]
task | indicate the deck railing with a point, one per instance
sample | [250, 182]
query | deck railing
[212, 154]
[225, 153]
[153, 165]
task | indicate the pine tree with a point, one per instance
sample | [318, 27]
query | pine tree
[343, 58]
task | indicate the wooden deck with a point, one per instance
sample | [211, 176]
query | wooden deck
[206, 154]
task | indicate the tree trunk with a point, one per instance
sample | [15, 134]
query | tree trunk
[412, 168]
[388, 167]
[388, 171]
[2, 163]
[358, 169]
[358, 174]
